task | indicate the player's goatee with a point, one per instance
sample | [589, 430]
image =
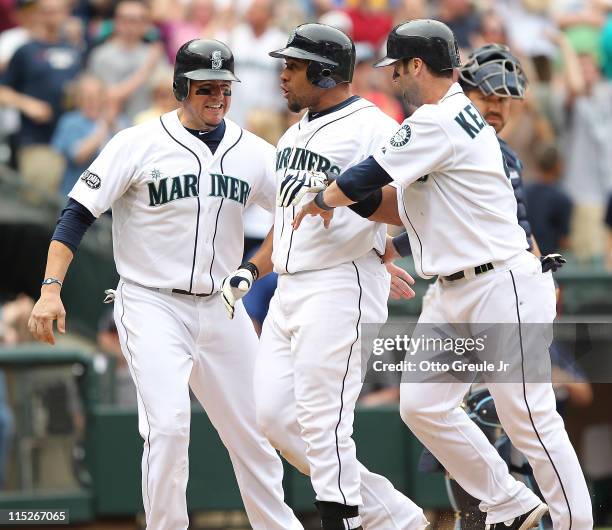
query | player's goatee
[294, 106]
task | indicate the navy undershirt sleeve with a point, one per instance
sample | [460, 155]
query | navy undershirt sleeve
[363, 179]
[72, 224]
[402, 244]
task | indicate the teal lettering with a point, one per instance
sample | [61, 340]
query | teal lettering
[303, 158]
[284, 158]
[324, 164]
[312, 160]
[233, 189]
[222, 186]
[296, 156]
[158, 195]
[190, 183]
[177, 191]
[245, 189]
[475, 115]
[467, 126]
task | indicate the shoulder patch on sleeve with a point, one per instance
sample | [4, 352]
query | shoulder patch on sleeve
[402, 136]
[92, 180]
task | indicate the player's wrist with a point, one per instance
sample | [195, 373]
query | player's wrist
[252, 268]
[51, 285]
[320, 202]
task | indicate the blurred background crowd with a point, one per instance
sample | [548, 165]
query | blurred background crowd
[74, 72]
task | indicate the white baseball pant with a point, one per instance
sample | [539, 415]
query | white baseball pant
[527, 409]
[308, 379]
[172, 342]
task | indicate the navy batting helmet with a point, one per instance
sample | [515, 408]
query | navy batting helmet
[495, 71]
[329, 52]
[429, 40]
[201, 59]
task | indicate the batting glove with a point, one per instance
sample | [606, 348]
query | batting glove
[552, 262]
[236, 285]
[294, 187]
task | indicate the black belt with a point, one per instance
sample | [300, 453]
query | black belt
[461, 274]
[181, 291]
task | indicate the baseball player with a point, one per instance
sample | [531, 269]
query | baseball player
[178, 187]
[492, 77]
[457, 205]
[308, 371]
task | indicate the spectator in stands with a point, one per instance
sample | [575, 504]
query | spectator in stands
[588, 168]
[608, 222]
[372, 20]
[339, 20]
[196, 19]
[251, 41]
[34, 82]
[582, 21]
[549, 208]
[163, 97]
[410, 10]
[81, 134]
[7, 15]
[463, 19]
[12, 39]
[126, 62]
[529, 26]
[492, 28]
[14, 317]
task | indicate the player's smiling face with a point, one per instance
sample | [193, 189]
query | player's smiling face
[494, 109]
[295, 87]
[207, 103]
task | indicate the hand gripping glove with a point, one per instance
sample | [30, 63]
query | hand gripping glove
[237, 284]
[294, 187]
[552, 262]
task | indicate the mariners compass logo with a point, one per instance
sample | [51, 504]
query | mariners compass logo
[217, 60]
[401, 137]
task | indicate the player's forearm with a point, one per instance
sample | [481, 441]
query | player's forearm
[535, 248]
[335, 197]
[59, 258]
[262, 259]
[388, 211]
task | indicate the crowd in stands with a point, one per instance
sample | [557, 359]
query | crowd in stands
[73, 72]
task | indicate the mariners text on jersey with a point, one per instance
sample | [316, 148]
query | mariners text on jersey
[161, 181]
[300, 158]
[335, 141]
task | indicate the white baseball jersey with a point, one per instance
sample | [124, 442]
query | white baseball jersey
[454, 196]
[331, 143]
[172, 199]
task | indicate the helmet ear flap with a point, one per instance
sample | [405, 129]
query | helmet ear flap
[320, 75]
[180, 87]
